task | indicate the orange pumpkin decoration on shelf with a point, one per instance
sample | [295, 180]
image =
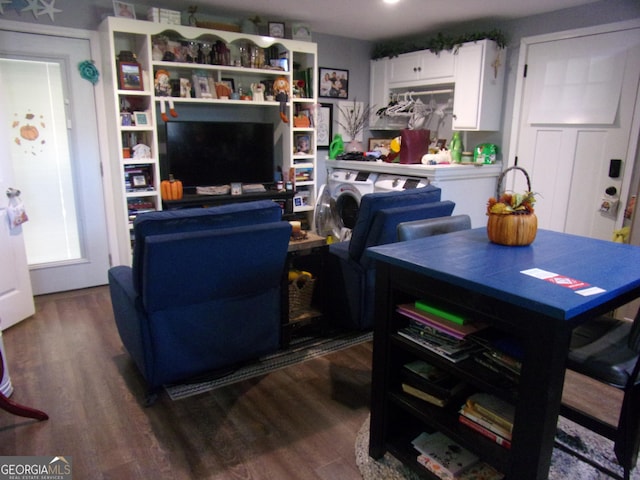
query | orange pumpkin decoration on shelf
[171, 189]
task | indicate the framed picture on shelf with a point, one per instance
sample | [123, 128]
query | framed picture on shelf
[201, 86]
[382, 145]
[276, 29]
[302, 143]
[123, 9]
[130, 75]
[141, 118]
[324, 125]
[229, 83]
[334, 83]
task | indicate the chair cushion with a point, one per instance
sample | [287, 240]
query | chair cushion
[600, 349]
[372, 203]
[197, 219]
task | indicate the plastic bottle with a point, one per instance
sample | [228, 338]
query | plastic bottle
[456, 147]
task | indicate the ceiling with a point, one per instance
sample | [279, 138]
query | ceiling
[373, 19]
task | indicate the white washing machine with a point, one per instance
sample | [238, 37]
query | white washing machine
[390, 183]
[347, 188]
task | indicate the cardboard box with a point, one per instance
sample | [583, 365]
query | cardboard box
[163, 15]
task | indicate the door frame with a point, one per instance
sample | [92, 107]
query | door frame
[101, 113]
[631, 165]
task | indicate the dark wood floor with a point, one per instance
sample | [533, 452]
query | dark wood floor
[300, 422]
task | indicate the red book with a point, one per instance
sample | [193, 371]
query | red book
[485, 431]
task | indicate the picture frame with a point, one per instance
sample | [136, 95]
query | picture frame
[229, 83]
[380, 144]
[276, 29]
[301, 31]
[324, 125]
[302, 144]
[140, 119]
[333, 82]
[124, 9]
[130, 76]
[201, 86]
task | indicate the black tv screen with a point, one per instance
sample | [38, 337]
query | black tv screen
[201, 153]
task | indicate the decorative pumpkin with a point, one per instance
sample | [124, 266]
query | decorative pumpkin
[29, 132]
[171, 189]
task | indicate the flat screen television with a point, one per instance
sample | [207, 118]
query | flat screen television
[205, 153]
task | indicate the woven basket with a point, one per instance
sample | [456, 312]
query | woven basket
[514, 229]
[300, 294]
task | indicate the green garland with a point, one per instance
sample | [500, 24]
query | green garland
[435, 44]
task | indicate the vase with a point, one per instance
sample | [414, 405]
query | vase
[354, 146]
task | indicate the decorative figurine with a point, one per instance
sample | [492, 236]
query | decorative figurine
[281, 91]
[257, 90]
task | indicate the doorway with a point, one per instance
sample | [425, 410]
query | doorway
[55, 153]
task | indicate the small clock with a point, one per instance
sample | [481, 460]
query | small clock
[276, 29]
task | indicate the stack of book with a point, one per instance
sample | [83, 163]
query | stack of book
[441, 332]
[500, 353]
[489, 416]
[431, 384]
[447, 460]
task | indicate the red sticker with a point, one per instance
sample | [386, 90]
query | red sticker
[567, 282]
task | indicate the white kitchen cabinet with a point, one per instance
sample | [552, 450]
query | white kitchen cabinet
[479, 82]
[474, 72]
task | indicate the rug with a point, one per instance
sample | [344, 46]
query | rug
[301, 349]
[563, 465]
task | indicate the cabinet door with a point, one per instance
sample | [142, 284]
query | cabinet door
[479, 79]
[405, 68]
[379, 88]
[440, 67]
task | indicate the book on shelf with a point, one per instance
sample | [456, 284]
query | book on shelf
[485, 431]
[494, 408]
[455, 357]
[431, 309]
[444, 325]
[442, 456]
[479, 471]
[427, 397]
[443, 387]
[479, 418]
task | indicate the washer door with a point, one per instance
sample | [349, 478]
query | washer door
[348, 206]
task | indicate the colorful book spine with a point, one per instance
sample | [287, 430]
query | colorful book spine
[485, 431]
[421, 305]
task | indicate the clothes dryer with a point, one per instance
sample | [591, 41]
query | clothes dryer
[347, 188]
[390, 183]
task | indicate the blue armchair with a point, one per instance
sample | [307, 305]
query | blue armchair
[352, 272]
[204, 292]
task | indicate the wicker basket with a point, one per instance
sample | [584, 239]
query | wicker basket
[516, 228]
[300, 294]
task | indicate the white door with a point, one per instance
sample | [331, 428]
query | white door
[577, 113]
[16, 298]
[53, 137]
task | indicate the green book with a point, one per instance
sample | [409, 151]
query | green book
[421, 305]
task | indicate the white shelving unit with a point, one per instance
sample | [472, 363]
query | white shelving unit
[297, 58]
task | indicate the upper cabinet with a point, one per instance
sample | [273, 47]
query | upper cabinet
[479, 82]
[474, 74]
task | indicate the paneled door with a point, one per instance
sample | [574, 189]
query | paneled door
[53, 138]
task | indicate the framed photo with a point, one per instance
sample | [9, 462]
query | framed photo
[324, 125]
[334, 83]
[382, 145]
[302, 143]
[141, 118]
[130, 76]
[202, 87]
[229, 83]
[123, 9]
[301, 31]
[276, 29]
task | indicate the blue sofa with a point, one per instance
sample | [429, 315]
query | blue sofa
[352, 272]
[204, 292]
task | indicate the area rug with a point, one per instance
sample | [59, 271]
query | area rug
[300, 350]
[563, 465]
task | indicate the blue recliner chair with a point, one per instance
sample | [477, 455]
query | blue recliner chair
[352, 272]
[204, 292]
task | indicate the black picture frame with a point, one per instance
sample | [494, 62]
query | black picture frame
[229, 83]
[276, 29]
[324, 125]
[333, 82]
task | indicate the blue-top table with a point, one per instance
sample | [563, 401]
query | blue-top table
[569, 280]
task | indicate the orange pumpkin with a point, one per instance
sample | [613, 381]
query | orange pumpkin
[171, 189]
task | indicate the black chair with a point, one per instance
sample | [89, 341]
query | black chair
[432, 226]
[607, 350]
